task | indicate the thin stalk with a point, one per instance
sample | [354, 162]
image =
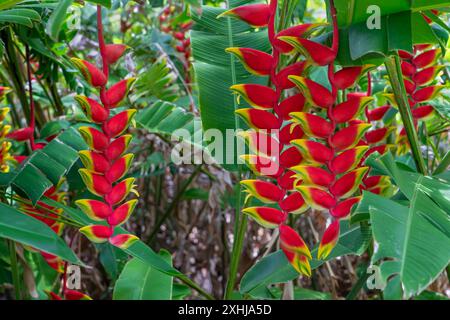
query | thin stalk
[393, 68]
[195, 286]
[14, 269]
[174, 202]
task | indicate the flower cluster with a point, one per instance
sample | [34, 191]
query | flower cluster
[106, 162]
[318, 141]
[6, 159]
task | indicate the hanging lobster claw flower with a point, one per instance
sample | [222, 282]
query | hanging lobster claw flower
[301, 30]
[408, 69]
[296, 69]
[329, 240]
[262, 166]
[259, 119]
[119, 168]
[290, 157]
[3, 92]
[96, 139]
[423, 112]
[382, 149]
[376, 181]
[344, 208]
[348, 160]
[4, 131]
[350, 109]
[315, 52]
[256, 62]
[114, 52]
[294, 203]
[316, 197]
[377, 114]
[294, 103]
[287, 180]
[96, 183]
[405, 55]
[118, 147]
[75, 295]
[314, 93]
[118, 92]
[94, 161]
[264, 191]
[409, 86]
[349, 183]
[123, 241]
[299, 263]
[347, 77]
[427, 93]
[256, 15]
[122, 213]
[94, 209]
[427, 59]
[315, 176]
[21, 135]
[94, 76]
[94, 111]
[291, 241]
[378, 135]
[120, 191]
[258, 96]
[97, 234]
[349, 137]
[119, 123]
[267, 217]
[427, 76]
[314, 126]
[261, 143]
[313, 152]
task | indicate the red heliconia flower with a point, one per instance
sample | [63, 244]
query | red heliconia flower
[409, 86]
[347, 185]
[377, 114]
[94, 209]
[313, 152]
[96, 183]
[348, 160]
[266, 217]
[91, 73]
[427, 76]
[258, 96]
[427, 93]
[118, 92]
[256, 15]
[120, 191]
[315, 52]
[289, 133]
[287, 180]
[427, 58]
[294, 204]
[329, 240]
[344, 208]
[119, 168]
[118, 147]
[123, 241]
[405, 55]
[262, 166]
[290, 157]
[75, 295]
[96, 139]
[114, 52]
[261, 143]
[314, 93]
[94, 111]
[264, 191]
[350, 109]
[314, 175]
[347, 77]
[20, 135]
[94, 161]
[255, 61]
[97, 234]
[423, 112]
[314, 126]
[317, 198]
[349, 137]
[295, 249]
[376, 181]
[116, 125]
[408, 69]
[296, 31]
[259, 119]
[122, 213]
[294, 103]
[295, 69]
[378, 135]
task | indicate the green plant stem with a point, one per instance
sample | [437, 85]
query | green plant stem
[174, 202]
[14, 269]
[195, 286]
[357, 287]
[393, 68]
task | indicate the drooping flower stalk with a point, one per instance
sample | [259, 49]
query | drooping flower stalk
[106, 162]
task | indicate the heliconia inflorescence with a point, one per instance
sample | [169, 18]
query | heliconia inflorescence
[310, 144]
[421, 70]
[107, 161]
